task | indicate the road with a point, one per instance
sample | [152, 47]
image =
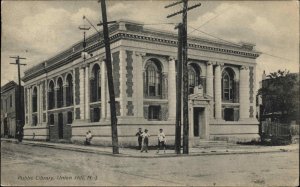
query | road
[40, 166]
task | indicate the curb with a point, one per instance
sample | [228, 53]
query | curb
[83, 150]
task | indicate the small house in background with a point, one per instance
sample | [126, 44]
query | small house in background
[12, 113]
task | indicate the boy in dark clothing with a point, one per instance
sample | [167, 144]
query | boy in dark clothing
[140, 137]
[145, 136]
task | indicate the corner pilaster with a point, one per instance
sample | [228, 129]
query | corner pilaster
[172, 89]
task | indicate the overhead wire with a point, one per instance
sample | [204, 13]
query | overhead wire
[210, 20]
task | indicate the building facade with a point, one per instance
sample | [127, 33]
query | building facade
[10, 113]
[66, 95]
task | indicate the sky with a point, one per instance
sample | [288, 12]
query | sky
[37, 30]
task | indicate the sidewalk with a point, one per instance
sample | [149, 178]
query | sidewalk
[197, 151]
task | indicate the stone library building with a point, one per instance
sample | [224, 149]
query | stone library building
[67, 95]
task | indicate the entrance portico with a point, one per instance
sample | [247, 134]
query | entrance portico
[199, 113]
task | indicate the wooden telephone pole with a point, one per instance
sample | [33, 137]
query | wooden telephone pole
[20, 106]
[114, 129]
[184, 75]
[178, 91]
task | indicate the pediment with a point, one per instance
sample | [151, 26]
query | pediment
[199, 97]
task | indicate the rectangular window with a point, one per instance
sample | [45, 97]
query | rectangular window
[95, 117]
[152, 91]
[154, 112]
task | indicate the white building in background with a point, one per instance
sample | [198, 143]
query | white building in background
[66, 96]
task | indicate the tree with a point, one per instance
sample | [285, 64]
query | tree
[280, 95]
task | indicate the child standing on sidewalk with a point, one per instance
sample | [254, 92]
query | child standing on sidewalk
[161, 140]
[140, 138]
[145, 136]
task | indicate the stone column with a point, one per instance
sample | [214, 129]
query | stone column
[138, 84]
[29, 106]
[46, 100]
[55, 96]
[209, 79]
[65, 87]
[41, 102]
[103, 90]
[81, 92]
[38, 94]
[210, 86]
[87, 93]
[244, 93]
[218, 92]
[172, 89]
[74, 96]
[254, 92]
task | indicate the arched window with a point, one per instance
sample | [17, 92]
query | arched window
[69, 91]
[228, 85]
[60, 93]
[194, 77]
[95, 82]
[153, 79]
[34, 100]
[51, 95]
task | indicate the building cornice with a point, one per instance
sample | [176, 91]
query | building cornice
[135, 32]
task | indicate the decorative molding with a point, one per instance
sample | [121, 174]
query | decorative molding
[169, 39]
[219, 64]
[251, 84]
[129, 74]
[251, 110]
[211, 63]
[171, 58]
[116, 72]
[130, 108]
[140, 54]
[244, 68]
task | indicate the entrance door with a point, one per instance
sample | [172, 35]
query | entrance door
[60, 126]
[197, 121]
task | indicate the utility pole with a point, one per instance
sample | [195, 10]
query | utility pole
[20, 107]
[178, 91]
[114, 129]
[184, 69]
[185, 94]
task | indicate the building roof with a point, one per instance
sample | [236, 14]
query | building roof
[132, 30]
[8, 86]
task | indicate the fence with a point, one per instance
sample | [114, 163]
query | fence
[275, 129]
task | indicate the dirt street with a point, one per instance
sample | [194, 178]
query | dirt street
[31, 165]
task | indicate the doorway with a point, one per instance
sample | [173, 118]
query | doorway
[60, 126]
[198, 121]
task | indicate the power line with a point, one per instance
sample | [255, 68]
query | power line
[84, 17]
[213, 36]
[210, 20]
[276, 56]
[238, 44]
